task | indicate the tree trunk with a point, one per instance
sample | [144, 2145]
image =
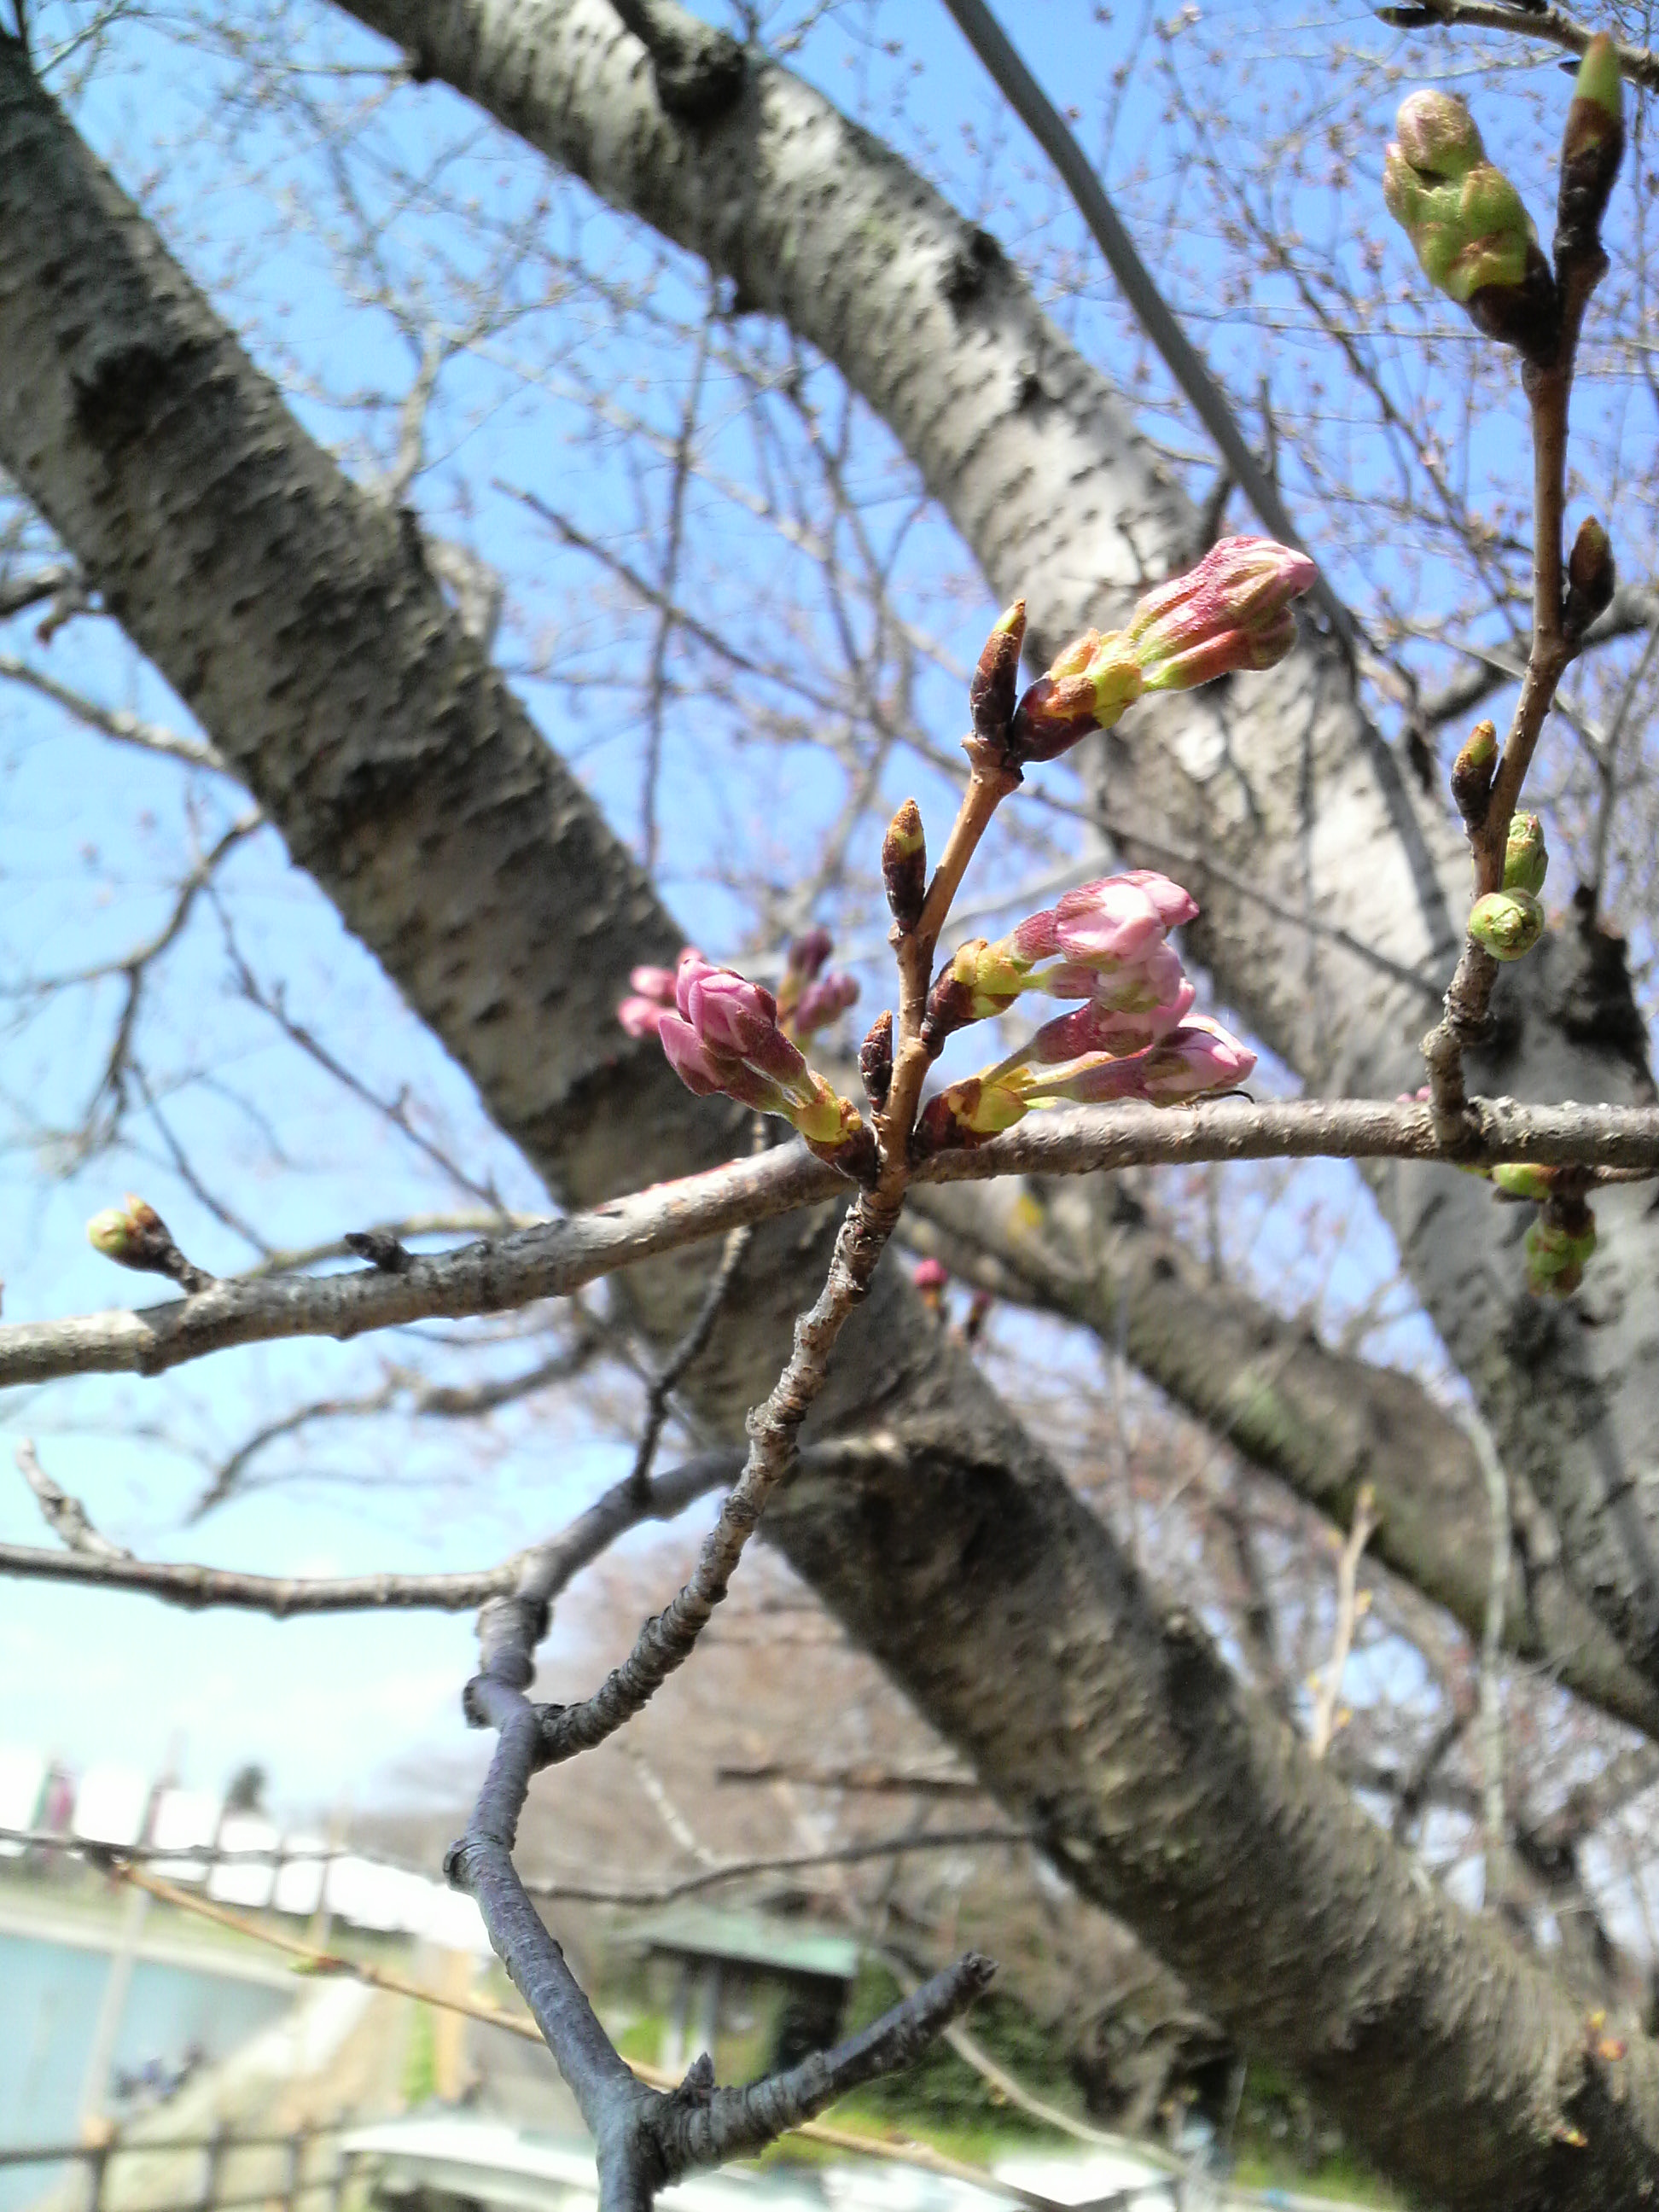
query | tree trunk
[299, 621]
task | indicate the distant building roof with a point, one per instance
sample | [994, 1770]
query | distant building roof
[788, 1947]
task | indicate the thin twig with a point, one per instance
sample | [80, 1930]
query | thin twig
[65, 1516]
[1324, 1725]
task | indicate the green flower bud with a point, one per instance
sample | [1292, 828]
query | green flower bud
[134, 1235]
[1471, 235]
[1473, 772]
[1519, 1179]
[1557, 1248]
[1507, 923]
[1526, 863]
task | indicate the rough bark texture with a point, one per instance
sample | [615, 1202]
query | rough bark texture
[299, 621]
[1321, 1421]
[1035, 458]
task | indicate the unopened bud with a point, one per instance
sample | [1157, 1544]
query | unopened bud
[1508, 924]
[904, 866]
[876, 1062]
[1591, 576]
[1471, 235]
[1521, 1179]
[134, 1235]
[824, 1001]
[931, 1279]
[965, 1116]
[994, 685]
[1559, 1245]
[809, 952]
[1526, 862]
[1592, 147]
[1232, 612]
[1473, 772]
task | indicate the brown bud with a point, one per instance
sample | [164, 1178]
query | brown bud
[876, 1062]
[995, 681]
[904, 866]
[1592, 148]
[1525, 315]
[950, 1007]
[1591, 576]
[1473, 772]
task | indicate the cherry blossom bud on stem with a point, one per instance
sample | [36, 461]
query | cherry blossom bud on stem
[1232, 612]
[824, 1001]
[876, 1062]
[1508, 924]
[1473, 772]
[1473, 237]
[1592, 148]
[1559, 1244]
[725, 1037]
[1591, 576]
[904, 866]
[931, 1279]
[1526, 862]
[995, 683]
[135, 1236]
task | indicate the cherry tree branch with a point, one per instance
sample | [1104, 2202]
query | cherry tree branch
[553, 1260]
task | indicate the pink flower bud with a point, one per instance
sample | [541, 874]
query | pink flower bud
[1175, 906]
[930, 1277]
[808, 953]
[1118, 1029]
[641, 1017]
[1112, 920]
[1232, 611]
[824, 1001]
[698, 1069]
[657, 984]
[732, 1016]
[1194, 1061]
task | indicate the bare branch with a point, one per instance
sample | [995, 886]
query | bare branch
[1530, 19]
[555, 1260]
[1347, 1614]
[575, 1891]
[65, 1516]
[127, 729]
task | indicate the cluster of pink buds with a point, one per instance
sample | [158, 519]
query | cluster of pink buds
[1106, 942]
[722, 1033]
[811, 995]
[1134, 1037]
[652, 996]
[1197, 1059]
[1233, 611]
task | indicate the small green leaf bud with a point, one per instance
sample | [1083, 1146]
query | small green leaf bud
[1525, 860]
[1508, 924]
[1473, 772]
[1592, 148]
[134, 1235]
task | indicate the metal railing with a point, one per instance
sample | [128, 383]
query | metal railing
[217, 2148]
